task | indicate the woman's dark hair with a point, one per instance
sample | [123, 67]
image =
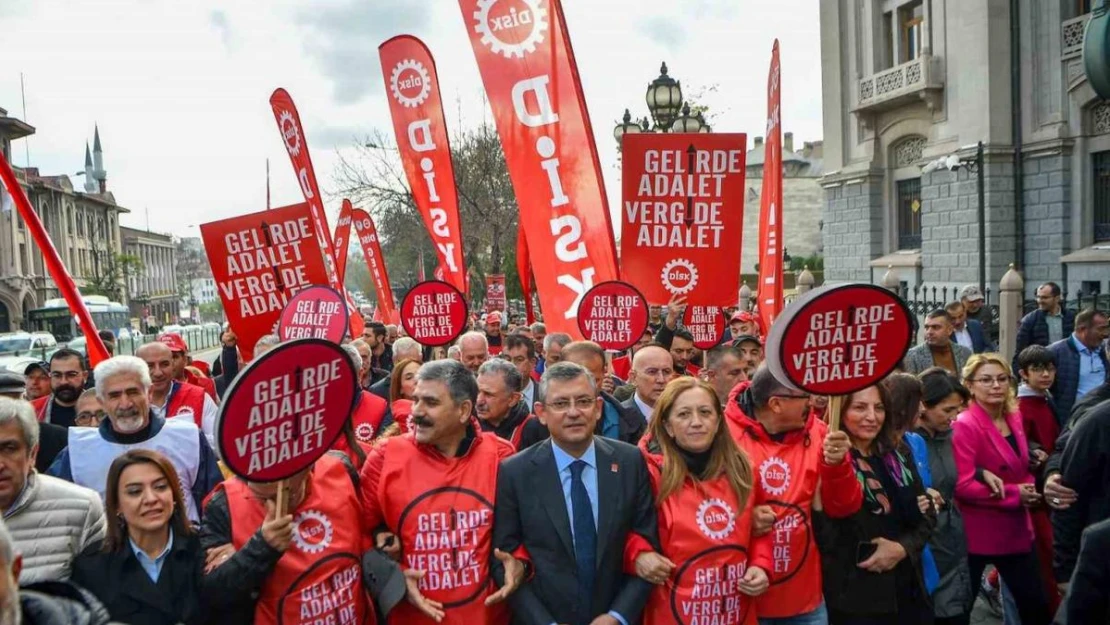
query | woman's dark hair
[886, 441]
[396, 377]
[937, 384]
[904, 400]
[117, 527]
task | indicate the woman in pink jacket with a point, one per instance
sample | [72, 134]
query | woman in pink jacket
[989, 436]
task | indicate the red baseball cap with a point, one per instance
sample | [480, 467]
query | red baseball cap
[174, 342]
[493, 317]
[742, 316]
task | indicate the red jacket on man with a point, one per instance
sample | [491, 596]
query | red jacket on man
[205, 383]
[441, 510]
[788, 471]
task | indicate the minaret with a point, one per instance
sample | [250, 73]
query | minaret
[99, 174]
[90, 183]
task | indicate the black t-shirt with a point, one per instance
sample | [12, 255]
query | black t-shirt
[65, 416]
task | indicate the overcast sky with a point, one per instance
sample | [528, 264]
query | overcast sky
[180, 90]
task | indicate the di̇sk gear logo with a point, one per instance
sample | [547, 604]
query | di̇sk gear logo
[364, 432]
[534, 18]
[716, 519]
[290, 133]
[311, 531]
[775, 475]
[679, 276]
[418, 77]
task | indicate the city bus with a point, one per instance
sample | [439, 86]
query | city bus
[56, 318]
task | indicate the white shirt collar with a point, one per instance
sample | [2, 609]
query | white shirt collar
[645, 409]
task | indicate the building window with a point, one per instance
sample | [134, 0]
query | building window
[908, 201]
[911, 23]
[1100, 165]
[1090, 287]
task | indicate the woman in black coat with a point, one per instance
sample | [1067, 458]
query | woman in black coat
[150, 569]
[871, 561]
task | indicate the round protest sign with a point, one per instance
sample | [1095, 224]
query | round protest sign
[318, 312]
[613, 314]
[286, 409]
[706, 324]
[434, 313]
[839, 339]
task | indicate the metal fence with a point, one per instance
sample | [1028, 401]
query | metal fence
[924, 299]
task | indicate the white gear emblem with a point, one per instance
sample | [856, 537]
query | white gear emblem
[677, 264]
[535, 15]
[425, 83]
[364, 432]
[775, 475]
[290, 133]
[317, 545]
[716, 511]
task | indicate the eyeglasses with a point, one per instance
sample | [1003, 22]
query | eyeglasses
[67, 375]
[1042, 368]
[562, 405]
[90, 417]
[1001, 380]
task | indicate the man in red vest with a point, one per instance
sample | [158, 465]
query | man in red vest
[171, 398]
[428, 500]
[181, 359]
[369, 410]
[300, 566]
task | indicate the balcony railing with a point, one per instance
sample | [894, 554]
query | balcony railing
[899, 85]
[1071, 35]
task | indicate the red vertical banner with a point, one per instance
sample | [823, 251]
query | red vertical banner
[292, 135]
[413, 86]
[342, 238]
[372, 250]
[769, 296]
[495, 292]
[95, 346]
[524, 270]
[531, 79]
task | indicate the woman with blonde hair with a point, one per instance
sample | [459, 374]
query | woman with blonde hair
[704, 495]
[999, 530]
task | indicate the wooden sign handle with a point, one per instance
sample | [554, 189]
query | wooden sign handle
[835, 403]
[282, 498]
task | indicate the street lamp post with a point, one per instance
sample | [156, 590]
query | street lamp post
[667, 109]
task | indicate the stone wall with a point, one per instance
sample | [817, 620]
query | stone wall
[853, 232]
[801, 219]
[1047, 193]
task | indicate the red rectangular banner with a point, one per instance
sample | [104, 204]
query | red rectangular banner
[531, 79]
[372, 251]
[682, 218]
[259, 261]
[769, 294]
[495, 293]
[421, 131]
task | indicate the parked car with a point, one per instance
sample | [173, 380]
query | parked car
[16, 343]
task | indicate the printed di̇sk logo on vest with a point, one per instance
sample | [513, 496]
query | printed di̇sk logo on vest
[775, 474]
[716, 519]
[511, 28]
[410, 83]
[706, 589]
[447, 533]
[312, 531]
[364, 432]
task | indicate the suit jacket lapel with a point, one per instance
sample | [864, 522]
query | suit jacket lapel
[1005, 452]
[608, 494]
[550, 488]
[141, 588]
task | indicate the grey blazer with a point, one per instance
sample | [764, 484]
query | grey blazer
[920, 358]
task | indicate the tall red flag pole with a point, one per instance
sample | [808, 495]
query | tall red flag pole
[770, 204]
[94, 346]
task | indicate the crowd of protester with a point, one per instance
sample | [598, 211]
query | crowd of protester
[521, 476]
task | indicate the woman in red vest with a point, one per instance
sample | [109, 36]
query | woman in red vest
[704, 493]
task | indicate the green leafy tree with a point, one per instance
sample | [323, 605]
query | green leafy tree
[111, 271]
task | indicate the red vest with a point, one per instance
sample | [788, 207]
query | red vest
[367, 417]
[442, 510]
[188, 397]
[205, 383]
[319, 577]
[622, 367]
[706, 533]
[40, 406]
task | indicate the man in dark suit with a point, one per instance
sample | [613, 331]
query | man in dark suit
[1051, 322]
[571, 502]
[652, 368]
[966, 331]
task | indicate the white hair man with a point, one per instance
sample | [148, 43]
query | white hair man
[473, 350]
[403, 348]
[50, 603]
[123, 384]
[51, 520]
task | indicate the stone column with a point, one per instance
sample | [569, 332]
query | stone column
[804, 282]
[890, 280]
[745, 297]
[1011, 291]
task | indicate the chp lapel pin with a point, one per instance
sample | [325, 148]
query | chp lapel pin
[613, 468]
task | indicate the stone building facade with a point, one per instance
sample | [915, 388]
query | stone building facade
[906, 82]
[83, 226]
[154, 294]
[801, 205]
